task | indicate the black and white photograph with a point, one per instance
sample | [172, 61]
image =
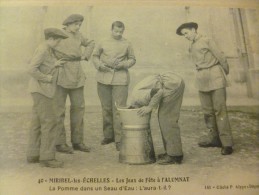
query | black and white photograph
[129, 97]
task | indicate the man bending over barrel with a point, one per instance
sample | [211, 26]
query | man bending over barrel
[166, 91]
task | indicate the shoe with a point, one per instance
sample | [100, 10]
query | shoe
[226, 150]
[170, 160]
[51, 163]
[207, 144]
[64, 148]
[161, 156]
[107, 141]
[81, 147]
[118, 146]
[33, 159]
[206, 141]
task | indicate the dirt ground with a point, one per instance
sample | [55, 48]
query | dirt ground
[207, 170]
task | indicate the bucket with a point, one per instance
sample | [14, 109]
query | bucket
[136, 140]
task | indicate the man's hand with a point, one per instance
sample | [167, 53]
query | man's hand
[49, 79]
[84, 58]
[59, 63]
[144, 110]
[120, 66]
[104, 68]
[116, 62]
[225, 67]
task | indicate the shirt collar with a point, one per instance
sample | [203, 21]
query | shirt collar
[68, 31]
[198, 36]
[116, 39]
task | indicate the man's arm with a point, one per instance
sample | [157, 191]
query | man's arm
[99, 65]
[131, 60]
[155, 100]
[219, 55]
[35, 63]
[89, 47]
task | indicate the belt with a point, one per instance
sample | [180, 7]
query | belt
[113, 68]
[66, 58]
[199, 69]
[72, 59]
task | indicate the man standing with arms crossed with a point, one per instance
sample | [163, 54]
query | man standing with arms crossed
[212, 68]
[112, 58]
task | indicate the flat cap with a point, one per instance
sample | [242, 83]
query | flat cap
[186, 25]
[54, 32]
[73, 18]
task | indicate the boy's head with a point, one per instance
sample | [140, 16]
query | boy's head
[117, 29]
[188, 30]
[53, 36]
[73, 22]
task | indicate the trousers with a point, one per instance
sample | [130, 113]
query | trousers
[168, 116]
[77, 110]
[43, 130]
[214, 108]
[109, 94]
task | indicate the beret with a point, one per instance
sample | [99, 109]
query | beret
[50, 32]
[73, 18]
[186, 25]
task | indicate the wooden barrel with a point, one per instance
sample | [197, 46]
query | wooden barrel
[136, 140]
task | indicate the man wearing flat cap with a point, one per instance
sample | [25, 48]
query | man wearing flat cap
[212, 68]
[43, 130]
[71, 80]
[73, 18]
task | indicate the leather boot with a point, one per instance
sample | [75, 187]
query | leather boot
[81, 147]
[226, 150]
[64, 148]
[107, 141]
[212, 138]
[170, 160]
[33, 159]
[51, 163]
[161, 156]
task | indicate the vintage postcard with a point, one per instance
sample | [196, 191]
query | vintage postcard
[129, 97]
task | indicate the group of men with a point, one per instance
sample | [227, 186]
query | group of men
[57, 73]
